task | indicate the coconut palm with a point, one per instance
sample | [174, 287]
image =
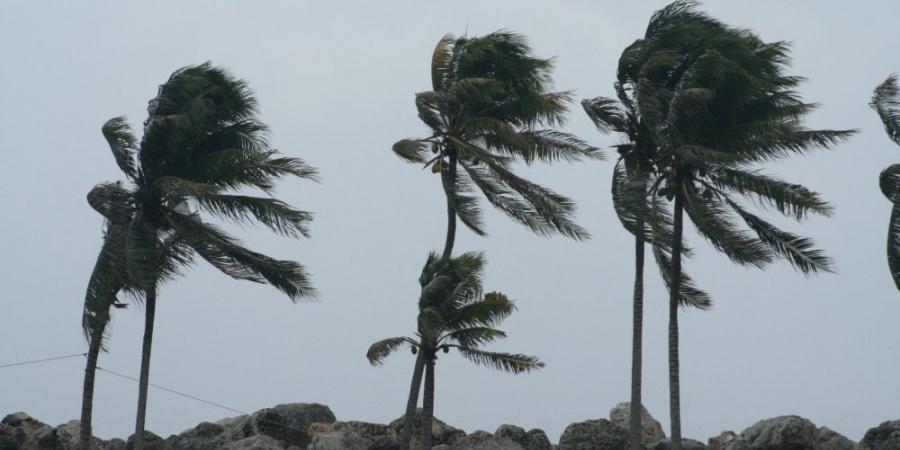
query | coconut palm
[886, 101]
[108, 280]
[201, 144]
[717, 103]
[641, 214]
[454, 313]
[491, 106]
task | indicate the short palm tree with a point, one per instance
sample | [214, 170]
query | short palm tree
[108, 280]
[454, 313]
[717, 103]
[641, 214]
[886, 101]
[491, 106]
[202, 141]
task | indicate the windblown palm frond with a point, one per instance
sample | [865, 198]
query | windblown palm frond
[491, 106]
[886, 102]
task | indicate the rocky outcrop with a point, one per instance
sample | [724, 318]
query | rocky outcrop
[883, 437]
[301, 426]
[442, 434]
[598, 434]
[722, 441]
[789, 433]
[686, 444]
[651, 429]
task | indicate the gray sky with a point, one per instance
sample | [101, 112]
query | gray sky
[335, 81]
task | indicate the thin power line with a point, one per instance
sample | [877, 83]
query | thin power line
[41, 360]
[182, 394]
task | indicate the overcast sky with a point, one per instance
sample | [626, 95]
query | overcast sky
[335, 81]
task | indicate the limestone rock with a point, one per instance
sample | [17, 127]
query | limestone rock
[288, 422]
[339, 440]
[721, 441]
[598, 434]
[260, 442]
[151, 442]
[686, 444]
[441, 433]
[652, 430]
[482, 440]
[883, 437]
[789, 433]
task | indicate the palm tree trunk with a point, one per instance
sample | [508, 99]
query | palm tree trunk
[451, 212]
[428, 403]
[637, 350]
[408, 419]
[144, 382]
[674, 296]
[87, 393]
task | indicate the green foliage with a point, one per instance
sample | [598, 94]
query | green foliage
[491, 106]
[454, 313]
[201, 143]
[886, 102]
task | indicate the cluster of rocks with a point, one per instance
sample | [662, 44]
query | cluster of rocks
[299, 426]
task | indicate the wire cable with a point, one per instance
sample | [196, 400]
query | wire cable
[23, 363]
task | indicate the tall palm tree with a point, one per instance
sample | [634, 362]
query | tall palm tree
[717, 103]
[886, 101]
[491, 106]
[201, 143]
[641, 214]
[454, 313]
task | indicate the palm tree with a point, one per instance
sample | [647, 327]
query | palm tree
[202, 141]
[640, 214]
[108, 279]
[455, 314]
[491, 106]
[717, 103]
[886, 101]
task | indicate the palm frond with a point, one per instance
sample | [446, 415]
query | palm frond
[886, 102]
[122, 143]
[383, 348]
[229, 256]
[473, 337]
[506, 362]
[457, 189]
[412, 150]
[488, 312]
[787, 198]
[607, 115]
[552, 145]
[689, 294]
[273, 213]
[113, 201]
[893, 245]
[441, 70]
[143, 254]
[713, 222]
[889, 182]
[797, 250]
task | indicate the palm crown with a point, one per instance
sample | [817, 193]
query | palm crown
[201, 141]
[886, 102]
[716, 101]
[488, 102]
[454, 313]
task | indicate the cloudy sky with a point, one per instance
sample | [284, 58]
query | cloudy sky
[335, 81]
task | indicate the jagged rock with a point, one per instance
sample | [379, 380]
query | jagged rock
[209, 436]
[339, 440]
[652, 430]
[510, 432]
[721, 441]
[828, 439]
[21, 431]
[385, 443]
[482, 440]
[288, 422]
[789, 433]
[260, 442]
[686, 444]
[441, 433]
[883, 437]
[598, 434]
[115, 444]
[151, 442]
[536, 439]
